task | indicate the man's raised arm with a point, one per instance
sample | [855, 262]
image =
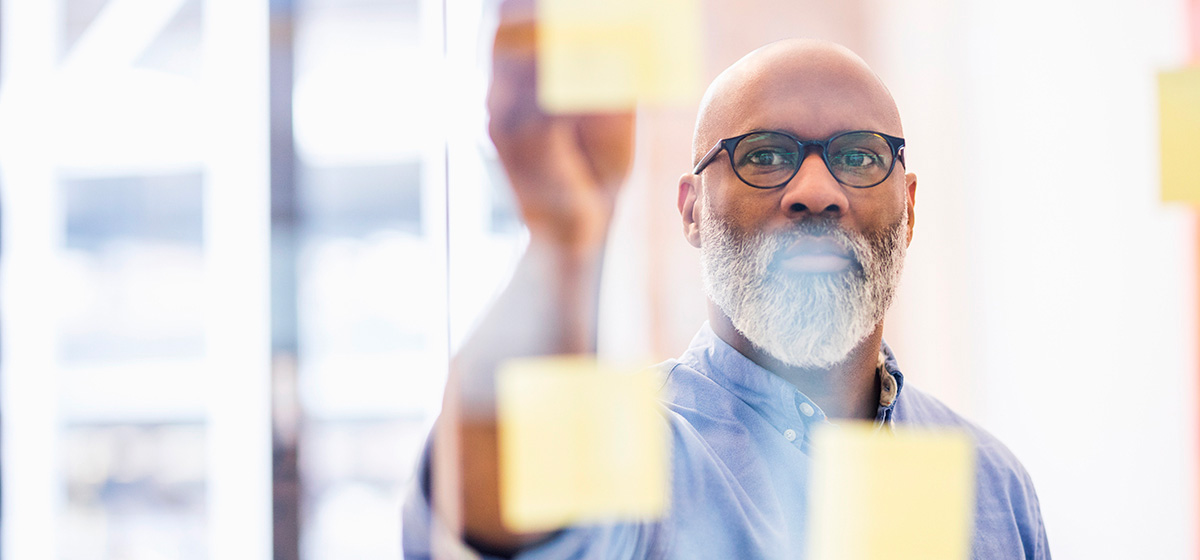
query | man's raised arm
[566, 172]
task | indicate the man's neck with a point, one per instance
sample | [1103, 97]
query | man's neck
[848, 389]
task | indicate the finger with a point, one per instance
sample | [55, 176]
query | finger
[512, 94]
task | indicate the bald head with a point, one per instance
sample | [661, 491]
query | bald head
[808, 87]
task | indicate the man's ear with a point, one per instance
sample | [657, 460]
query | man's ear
[910, 192]
[689, 190]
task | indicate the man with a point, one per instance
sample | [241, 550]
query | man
[802, 207]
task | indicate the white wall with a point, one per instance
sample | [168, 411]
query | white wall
[1069, 321]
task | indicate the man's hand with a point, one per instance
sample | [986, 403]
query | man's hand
[565, 170]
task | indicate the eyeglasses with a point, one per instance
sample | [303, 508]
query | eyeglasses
[769, 159]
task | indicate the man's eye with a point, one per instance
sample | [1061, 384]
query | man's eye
[856, 160]
[767, 158]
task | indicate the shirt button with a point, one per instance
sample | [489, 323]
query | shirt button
[790, 434]
[807, 409]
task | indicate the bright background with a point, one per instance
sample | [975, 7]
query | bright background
[229, 289]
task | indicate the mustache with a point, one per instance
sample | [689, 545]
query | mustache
[816, 227]
[855, 244]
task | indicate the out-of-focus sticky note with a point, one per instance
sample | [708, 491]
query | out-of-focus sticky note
[1179, 130]
[606, 55]
[902, 496]
[579, 442]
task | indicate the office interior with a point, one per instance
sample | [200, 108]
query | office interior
[240, 238]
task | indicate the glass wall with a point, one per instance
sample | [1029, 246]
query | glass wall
[105, 397]
[138, 388]
[370, 270]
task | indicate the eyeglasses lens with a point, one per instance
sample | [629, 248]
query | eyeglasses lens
[861, 159]
[769, 159]
[766, 159]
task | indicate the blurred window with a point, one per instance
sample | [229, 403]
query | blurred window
[370, 236]
[108, 388]
[123, 442]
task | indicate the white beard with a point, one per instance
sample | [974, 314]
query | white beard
[810, 321]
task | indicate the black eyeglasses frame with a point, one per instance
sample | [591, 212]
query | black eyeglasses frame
[730, 144]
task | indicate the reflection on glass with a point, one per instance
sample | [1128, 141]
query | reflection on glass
[131, 345]
[370, 361]
[351, 470]
[133, 247]
[134, 491]
[118, 195]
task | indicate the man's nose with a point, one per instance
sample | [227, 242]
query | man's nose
[814, 190]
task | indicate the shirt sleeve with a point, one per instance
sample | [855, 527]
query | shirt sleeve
[1037, 547]
[612, 540]
[1008, 515]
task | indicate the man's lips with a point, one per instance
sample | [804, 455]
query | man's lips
[814, 255]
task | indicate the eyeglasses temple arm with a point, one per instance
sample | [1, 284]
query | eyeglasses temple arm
[704, 161]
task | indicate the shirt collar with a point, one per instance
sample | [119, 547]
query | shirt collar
[770, 395]
[773, 398]
[891, 381]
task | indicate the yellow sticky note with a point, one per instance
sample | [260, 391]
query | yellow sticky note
[596, 56]
[579, 442]
[1179, 130]
[902, 496]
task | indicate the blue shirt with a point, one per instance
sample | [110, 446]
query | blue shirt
[741, 443]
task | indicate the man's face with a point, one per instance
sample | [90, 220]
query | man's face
[807, 270]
